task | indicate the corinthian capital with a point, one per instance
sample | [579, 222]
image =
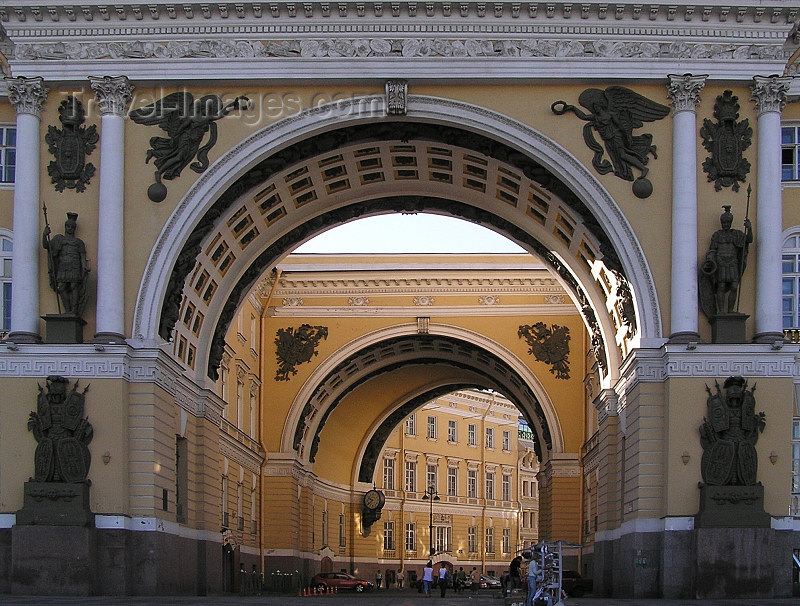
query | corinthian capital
[769, 93]
[112, 93]
[27, 95]
[684, 91]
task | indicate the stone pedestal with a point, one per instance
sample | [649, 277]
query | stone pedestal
[63, 328]
[728, 328]
[55, 504]
[732, 507]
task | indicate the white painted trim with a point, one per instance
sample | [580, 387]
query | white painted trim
[148, 524]
[646, 525]
[320, 311]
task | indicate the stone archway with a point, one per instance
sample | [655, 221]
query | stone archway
[236, 221]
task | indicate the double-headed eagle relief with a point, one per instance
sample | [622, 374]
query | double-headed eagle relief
[62, 432]
[614, 113]
[548, 345]
[726, 140]
[294, 347]
[186, 120]
[70, 145]
[729, 433]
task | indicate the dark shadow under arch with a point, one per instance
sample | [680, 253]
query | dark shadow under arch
[419, 349]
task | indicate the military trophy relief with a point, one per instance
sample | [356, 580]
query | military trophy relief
[549, 345]
[726, 140]
[186, 121]
[68, 271]
[58, 494]
[730, 494]
[614, 113]
[70, 145]
[720, 276]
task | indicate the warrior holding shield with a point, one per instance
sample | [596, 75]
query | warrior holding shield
[729, 434]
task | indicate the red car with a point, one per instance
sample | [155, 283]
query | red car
[325, 581]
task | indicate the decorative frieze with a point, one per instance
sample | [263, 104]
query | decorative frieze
[399, 47]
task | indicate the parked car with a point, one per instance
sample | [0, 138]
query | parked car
[326, 581]
[574, 584]
[489, 582]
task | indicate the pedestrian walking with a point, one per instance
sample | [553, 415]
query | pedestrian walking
[427, 578]
[442, 580]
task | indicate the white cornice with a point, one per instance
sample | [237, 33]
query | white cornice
[321, 311]
[61, 41]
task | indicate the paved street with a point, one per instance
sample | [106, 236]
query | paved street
[374, 598]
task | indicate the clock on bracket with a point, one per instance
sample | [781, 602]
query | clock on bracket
[374, 500]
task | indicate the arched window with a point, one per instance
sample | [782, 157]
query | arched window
[791, 279]
[6, 249]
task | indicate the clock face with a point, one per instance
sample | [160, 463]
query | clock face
[372, 499]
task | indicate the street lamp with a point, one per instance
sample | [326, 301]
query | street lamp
[432, 495]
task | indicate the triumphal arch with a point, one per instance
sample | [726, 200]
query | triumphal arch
[183, 398]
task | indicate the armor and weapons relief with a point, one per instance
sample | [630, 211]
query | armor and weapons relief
[729, 433]
[613, 114]
[726, 141]
[186, 121]
[62, 433]
[70, 145]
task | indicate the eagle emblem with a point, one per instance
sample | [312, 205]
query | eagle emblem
[548, 345]
[294, 347]
[726, 140]
[70, 146]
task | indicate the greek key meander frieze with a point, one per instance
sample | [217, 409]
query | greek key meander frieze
[399, 47]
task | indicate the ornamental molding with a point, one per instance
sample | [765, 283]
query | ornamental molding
[238, 453]
[335, 48]
[166, 13]
[707, 362]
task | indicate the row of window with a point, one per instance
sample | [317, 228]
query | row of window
[452, 432]
[443, 538]
[432, 480]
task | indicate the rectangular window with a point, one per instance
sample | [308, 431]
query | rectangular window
[506, 487]
[432, 428]
[451, 431]
[443, 542]
[507, 441]
[388, 473]
[471, 435]
[490, 540]
[388, 536]
[432, 480]
[411, 476]
[452, 481]
[411, 425]
[790, 153]
[8, 153]
[324, 528]
[489, 438]
[6, 309]
[342, 534]
[490, 485]
[472, 539]
[411, 539]
[181, 478]
[506, 540]
[472, 483]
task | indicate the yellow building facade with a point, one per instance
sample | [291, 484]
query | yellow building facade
[243, 400]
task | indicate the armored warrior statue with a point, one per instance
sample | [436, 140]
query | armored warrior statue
[62, 433]
[729, 434]
[67, 265]
[723, 267]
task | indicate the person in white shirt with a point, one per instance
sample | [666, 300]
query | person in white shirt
[427, 578]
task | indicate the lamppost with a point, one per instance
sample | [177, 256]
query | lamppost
[431, 495]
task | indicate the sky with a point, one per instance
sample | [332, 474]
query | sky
[420, 233]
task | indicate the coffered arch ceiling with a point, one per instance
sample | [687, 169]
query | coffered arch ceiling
[313, 172]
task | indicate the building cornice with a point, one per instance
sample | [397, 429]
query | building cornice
[62, 41]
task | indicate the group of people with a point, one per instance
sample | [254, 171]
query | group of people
[535, 575]
[443, 578]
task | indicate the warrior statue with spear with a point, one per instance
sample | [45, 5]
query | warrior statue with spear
[724, 265]
[67, 265]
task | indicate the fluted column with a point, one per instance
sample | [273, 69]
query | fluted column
[113, 95]
[684, 91]
[27, 95]
[769, 94]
